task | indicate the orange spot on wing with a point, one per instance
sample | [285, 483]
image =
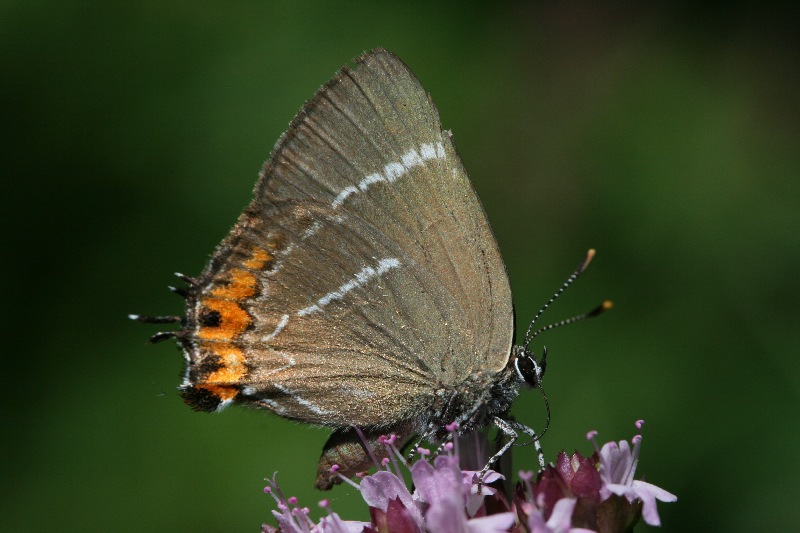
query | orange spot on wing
[241, 284]
[231, 291]
[223, 392]
[232, 360]
[233, 320]
[260, 258]
[223, 381]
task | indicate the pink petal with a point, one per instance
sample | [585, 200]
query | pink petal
[382, 487]
[446, 515]
[536, 523]
[286, 522]
[649, 509]
[495, 523]
[658, 492]
[648, 494]
[439, 481]
[619, 490]
[333, 524]
[561, 518]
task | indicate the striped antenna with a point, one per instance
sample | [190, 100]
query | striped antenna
[570, 280]
[605, 306]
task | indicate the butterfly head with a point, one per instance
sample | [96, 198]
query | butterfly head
[529, 371]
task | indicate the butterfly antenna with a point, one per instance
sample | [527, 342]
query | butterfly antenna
[570, 280]
[603, 307]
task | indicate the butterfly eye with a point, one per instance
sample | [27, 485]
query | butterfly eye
[528, 369]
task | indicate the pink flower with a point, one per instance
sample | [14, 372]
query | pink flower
[617, 467]
[576, 495]
[294, 519]
[445, 500]
[448, 492]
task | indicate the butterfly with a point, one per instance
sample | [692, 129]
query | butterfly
[362, 289]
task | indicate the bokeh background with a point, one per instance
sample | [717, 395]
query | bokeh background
[666, 136]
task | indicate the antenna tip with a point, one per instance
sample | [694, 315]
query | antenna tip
[602, 308]
[586, 260]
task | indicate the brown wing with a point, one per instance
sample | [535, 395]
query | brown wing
[364, 274]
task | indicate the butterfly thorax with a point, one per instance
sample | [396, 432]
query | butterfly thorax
[472, 403]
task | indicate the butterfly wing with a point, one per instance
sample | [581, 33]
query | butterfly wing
[364, 274]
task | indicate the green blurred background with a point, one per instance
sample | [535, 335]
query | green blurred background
[666, 137]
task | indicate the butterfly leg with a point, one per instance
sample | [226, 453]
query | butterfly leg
[448, 438]
[534, 439]
[429, 433]
[508, 429]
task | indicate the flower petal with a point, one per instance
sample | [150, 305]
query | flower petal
[333, 524]
[615, 460]
[649, 509]
[658, 492]
[286, 522]
[495, 523]
[492, 476]
[396, 518]
[439, 481]
[648, 494]
[382, 487]
[561, 519]
[446, 515]
[536, 523]
[620, 490]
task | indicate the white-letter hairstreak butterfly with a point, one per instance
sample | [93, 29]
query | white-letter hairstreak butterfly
[362, 287]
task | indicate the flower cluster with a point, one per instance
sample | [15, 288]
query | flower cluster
[577, 494]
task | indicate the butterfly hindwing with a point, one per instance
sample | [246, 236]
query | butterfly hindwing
[364, 275]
